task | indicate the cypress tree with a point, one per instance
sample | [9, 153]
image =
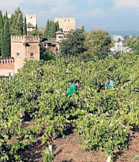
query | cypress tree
[20, 23]
[6, 40]
[1, 28]
[16, 23]
[50, 30]
[46, 32]
[36, 28]
[53, 35]
[25, 27]
[57, 26]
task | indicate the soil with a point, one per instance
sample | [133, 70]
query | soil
[69, 149]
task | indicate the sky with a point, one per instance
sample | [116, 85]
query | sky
[110, 15]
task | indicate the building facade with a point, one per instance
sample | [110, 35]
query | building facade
[119, 45]
[31, 21]
[22, 48]
[66, 24]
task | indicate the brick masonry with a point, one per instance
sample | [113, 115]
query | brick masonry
[66, 24]
[22, 48]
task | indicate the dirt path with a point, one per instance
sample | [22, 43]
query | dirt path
[69, 149]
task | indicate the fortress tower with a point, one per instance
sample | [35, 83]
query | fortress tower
[24, 48]
[31, 22]
[66, 24]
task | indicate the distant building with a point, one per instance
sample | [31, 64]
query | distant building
[66, 24]
[31, 22]
[50, 44]
[59, 36]
[53, 43]
[22, 48]
[119, 44]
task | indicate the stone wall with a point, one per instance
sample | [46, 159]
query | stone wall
[31, 22]
[66, 23]
[7, 66]
[24, 48]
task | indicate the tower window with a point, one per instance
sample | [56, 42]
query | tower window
[17, 54]
[60, 36]
[31, 54]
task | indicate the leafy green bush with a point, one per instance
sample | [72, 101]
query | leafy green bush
[37, 94]
[102, 133]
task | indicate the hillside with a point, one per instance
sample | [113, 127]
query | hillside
[33, 106]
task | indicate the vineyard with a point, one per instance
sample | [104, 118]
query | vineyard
[36, 95]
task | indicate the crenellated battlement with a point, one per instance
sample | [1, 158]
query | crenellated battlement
[25, 39]
[6, 60]
[6, 65]
[23, 48]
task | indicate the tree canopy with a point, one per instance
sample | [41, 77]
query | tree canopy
[134, 45]
[1, 28]
[74, 44]
[16, 22]
[6, 40]
[50, 30]
[98, 44]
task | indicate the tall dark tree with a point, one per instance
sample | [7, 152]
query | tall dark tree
[20, 23]
[16, 22]
[50, 30]
[57, 26]
[36, 27]
[25, 27]
[74, 44]
[1, 28]
[5, 48]
[46, 32]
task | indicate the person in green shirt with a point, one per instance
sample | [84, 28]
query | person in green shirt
[72, 89]
[109, 84]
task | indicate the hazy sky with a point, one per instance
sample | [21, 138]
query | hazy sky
[102, 14]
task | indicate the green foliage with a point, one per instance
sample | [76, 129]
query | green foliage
[48, 156]
[13, 26]
[1, 28]
[102, 132]
[25, 27]
[98, 44]
[16, 22]
[6, 39]
[36, 32]
[50, 30]
[134, 45]
[46, 54]
[37, 94]
[74, 44]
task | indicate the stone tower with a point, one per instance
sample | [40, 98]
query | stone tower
[24, 48]
[31, 22]
[59, 36]
[66, 24]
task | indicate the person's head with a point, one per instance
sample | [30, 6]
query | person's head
[107, 80]
[77, 83]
